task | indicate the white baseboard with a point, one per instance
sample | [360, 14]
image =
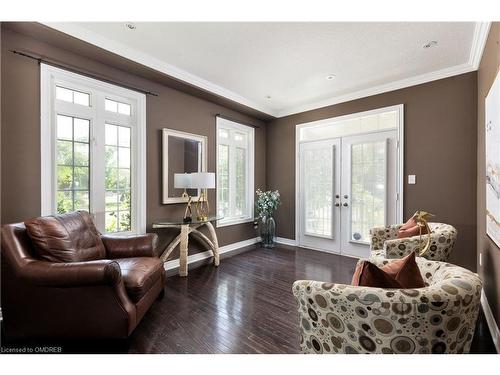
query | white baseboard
[286, 241]
[492, 325]
[172, 264]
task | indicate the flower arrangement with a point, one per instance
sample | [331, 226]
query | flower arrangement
[267, 202]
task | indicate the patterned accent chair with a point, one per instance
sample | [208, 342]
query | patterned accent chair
[439, 318]
[386, 245]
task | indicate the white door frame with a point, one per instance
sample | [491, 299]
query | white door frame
[400, 162]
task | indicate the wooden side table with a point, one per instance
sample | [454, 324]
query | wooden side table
[187, 229]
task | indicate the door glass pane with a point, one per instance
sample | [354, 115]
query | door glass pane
[368, 188]
[318, 191]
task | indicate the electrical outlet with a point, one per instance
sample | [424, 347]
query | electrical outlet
[412, 179]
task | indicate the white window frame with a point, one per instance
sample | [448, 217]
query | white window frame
[50, 106]
[250, 188]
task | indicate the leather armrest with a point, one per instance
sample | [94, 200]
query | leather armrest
[144, 245]
[98, 272]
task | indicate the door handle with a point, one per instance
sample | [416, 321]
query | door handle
[337, 204]
[345, 205]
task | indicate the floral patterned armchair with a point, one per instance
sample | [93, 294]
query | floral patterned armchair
[386, 245]
[439, 318]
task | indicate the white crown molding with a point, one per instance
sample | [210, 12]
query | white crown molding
[481, 32]
[492, 325]
[154, 63]
[375, 90]
[173, 264]
[478, 42]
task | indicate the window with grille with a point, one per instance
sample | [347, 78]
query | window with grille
[235, 172]
[93, 150]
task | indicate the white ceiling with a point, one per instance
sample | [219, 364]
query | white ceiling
[246, 62]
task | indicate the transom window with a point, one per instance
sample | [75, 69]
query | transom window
[235, 172]
[93, 150]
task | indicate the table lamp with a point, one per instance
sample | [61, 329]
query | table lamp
[183, 181]
[203, 181]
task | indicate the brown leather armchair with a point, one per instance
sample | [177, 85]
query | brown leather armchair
[62, 279]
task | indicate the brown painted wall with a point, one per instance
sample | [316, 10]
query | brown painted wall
[20, 133]
[490, 268]
[440, 148]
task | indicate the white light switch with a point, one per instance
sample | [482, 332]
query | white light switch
[412, 180]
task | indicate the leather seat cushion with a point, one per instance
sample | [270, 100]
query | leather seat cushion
[140, 274]
[71, 237]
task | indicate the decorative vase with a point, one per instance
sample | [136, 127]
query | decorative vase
[267, 231]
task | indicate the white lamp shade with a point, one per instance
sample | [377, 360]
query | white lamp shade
[182, 180]
[203, 180]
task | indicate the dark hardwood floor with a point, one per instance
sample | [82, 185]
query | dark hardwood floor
[243, 306]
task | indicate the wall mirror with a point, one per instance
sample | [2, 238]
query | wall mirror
[182, 153]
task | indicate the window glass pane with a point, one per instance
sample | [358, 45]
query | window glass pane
[124, 109]
[111, 157]
[111, 135]
[124, 136]
[124, 223]
[124, 200]
[64, 153]
[368, 188]
[118, 178]
[223, 181]
[81, 130]
[64, 94]
[240, 137]
[64, 202]
[111, 182]
[111, 221]
[81, 153]
[318, 191]
[82, 200]
[111, 200]
[241, 181]
[64, 127]
[110, 105]
[81, 178]
[64, 178]
[223, 133]
[81, 98]
[123, 178]
[123, 157]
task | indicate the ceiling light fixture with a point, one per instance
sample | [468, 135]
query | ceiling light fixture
[130, 25]
[330, 77]
[430, 44]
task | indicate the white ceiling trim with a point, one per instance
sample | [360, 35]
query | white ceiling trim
[479, 40]
[154, 63]
[392, 86]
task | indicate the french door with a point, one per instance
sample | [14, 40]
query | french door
[347, 185]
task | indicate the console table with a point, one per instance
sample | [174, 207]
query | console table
[186, 229]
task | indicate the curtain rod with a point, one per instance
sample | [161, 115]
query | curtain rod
[238, 121]
[41, 59]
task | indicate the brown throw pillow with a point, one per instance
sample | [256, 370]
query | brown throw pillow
[401, 273]
[65, 238]
[410, 229]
